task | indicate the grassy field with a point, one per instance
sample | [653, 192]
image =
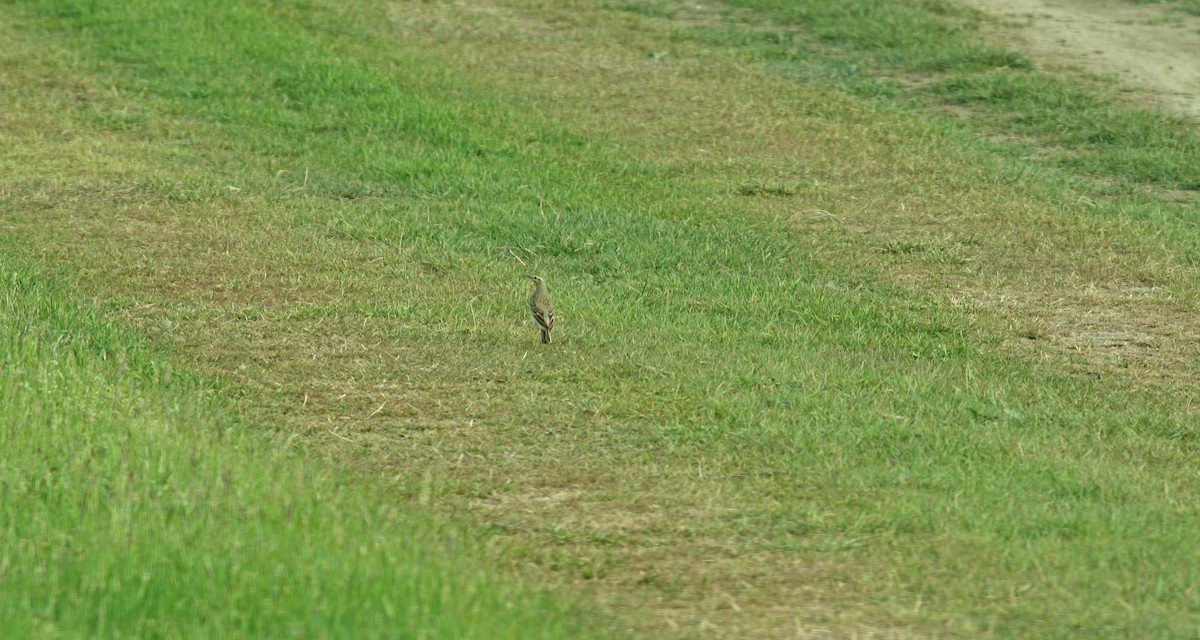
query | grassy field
[133, 507]
[1191, 6]
[866, 327]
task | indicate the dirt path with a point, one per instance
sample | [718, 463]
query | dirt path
[1152, 47]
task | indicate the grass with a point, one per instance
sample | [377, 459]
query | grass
[133, 506]
[793, 388]
[1191, 6]
[933, 53]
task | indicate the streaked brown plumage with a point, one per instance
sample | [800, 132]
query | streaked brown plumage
[540, 306]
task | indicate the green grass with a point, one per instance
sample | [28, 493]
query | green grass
[134, 507]
[740, 392]
[137, 504]
[877, 46]
[1191, 6]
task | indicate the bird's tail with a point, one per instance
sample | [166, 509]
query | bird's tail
[545, 336]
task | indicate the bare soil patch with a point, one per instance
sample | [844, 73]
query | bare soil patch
[1151, 47]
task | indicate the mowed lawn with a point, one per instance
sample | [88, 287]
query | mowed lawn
[866, 327]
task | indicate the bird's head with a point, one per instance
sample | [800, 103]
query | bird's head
[537, 279]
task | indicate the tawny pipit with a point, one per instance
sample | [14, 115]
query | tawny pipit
[539, 305]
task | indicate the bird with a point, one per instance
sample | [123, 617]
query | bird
[542, 309]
